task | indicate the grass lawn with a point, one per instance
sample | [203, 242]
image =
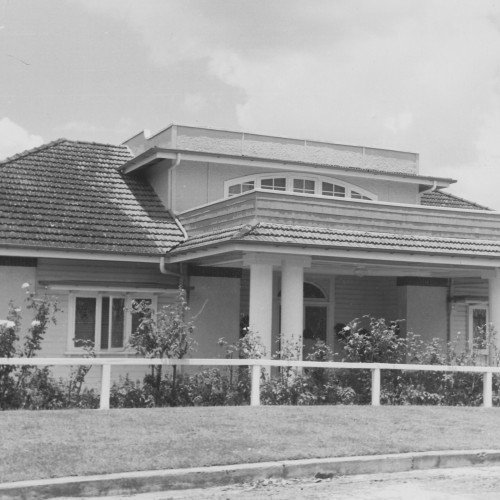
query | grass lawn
[43, 444]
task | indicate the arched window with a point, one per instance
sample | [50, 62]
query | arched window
[311, 291]
[291, 182]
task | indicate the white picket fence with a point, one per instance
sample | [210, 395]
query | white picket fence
[256, 365]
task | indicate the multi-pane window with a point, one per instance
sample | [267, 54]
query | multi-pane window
[139, 314]
[478, 324]
[358, 196]
[112, 322]
[330, 189]
[304, 186]
[274, 183]
[85, 319]
[293, 183]
[242, 187]
[105, 320]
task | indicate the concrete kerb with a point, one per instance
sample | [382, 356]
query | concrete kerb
[175, 479]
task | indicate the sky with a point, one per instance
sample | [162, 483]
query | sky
[411, 75]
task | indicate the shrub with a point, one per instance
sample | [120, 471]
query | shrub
[163, 334]
[31, 387]
[381, 343]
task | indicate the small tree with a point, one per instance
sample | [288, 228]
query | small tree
[163, 334]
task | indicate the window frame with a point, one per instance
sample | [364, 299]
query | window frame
[127, 324]
[470, 324]
[290, 177]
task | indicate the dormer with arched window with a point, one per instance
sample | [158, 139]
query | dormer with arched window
[292, 182]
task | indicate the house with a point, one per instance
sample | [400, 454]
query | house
[298, 235]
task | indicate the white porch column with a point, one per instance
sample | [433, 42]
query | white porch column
[292, 299]
[494, 304]
[261, 297]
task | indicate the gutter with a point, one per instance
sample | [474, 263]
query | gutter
[171, 187]
[430, 190]
[163, 269]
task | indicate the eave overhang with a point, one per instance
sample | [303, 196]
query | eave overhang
[414, 258]
[79, 254]
[156, 154]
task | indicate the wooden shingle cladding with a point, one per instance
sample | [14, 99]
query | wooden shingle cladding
[70, 196]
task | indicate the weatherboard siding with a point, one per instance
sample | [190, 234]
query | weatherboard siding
[55, 270]
[198, 183]
[462, 292]
[342, 214]
[355, 297]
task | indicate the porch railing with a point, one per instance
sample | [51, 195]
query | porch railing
[256, 365]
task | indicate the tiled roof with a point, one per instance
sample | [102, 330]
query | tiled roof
[440, 199]
[280, 234]
[211, 238]
[70, 195]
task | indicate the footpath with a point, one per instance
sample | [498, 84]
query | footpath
[175, 479]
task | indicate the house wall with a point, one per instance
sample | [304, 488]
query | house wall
[215, 302]
[50, 271]
[198, 183]
[11, 280]
[462, 292]
[427, 311]
[370, 295]
[245, 144]
[158, 177]
[135, 273]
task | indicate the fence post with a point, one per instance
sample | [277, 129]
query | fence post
[376, 387]
[255, 387]
[105, 386]
[487, 389]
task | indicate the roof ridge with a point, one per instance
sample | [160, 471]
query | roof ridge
[94, 143]
[48, 145]
[377, 233]
[31, 151]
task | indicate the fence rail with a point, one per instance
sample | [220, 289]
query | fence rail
[256, 365]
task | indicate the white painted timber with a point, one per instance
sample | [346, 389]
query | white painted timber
[376, 387]
[292, 300]
[256, 365]
[105, 387]
[494, 303]
[261, 300]
[255, 387]
[487, 390]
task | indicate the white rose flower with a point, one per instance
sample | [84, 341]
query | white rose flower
[35, 322]
[7, 323]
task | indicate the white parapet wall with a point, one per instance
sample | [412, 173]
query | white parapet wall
[263, 146]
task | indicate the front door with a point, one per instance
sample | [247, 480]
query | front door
[315, 317]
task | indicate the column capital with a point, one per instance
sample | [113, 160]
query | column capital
[491, 273]
[261, 258]
[303, 261]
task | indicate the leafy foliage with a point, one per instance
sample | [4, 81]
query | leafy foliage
[29, 386]
[163, 334]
